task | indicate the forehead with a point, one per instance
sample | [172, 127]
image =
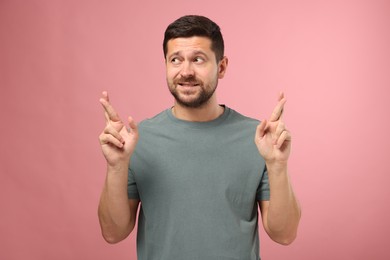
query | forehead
[189, 45]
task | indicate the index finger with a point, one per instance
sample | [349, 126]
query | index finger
[278, 110]
[110, 112]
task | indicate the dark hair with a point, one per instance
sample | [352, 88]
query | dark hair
[195, 25]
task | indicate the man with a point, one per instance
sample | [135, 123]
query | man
[195, 168]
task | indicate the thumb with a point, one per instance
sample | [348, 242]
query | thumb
[260, 130]
[133, 125]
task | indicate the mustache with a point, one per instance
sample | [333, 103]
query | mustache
[188, 80]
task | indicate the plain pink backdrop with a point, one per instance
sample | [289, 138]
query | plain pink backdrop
[331, 58]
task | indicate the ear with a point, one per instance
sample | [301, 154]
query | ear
[222, 66]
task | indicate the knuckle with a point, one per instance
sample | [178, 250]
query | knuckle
[103, 139]
[101, 136]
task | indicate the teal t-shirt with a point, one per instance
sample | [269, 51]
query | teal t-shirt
[199, 183]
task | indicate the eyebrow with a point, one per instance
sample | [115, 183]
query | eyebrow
[196, 52]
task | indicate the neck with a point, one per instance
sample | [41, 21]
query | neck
[207, 112]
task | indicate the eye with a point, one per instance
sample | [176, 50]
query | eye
[175, 60]
[199, 59]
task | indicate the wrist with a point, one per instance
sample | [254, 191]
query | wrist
[276, 167]
[117, 168]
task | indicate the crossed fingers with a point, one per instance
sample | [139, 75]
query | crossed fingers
[281, 134]
[277, 113]
[111, 133]
[109, 112]
[275, 125]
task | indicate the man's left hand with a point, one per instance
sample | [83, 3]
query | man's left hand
[272, 138]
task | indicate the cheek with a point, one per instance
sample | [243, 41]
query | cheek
[169, 77]
[171, 73]
[211, 76]
[206, 73]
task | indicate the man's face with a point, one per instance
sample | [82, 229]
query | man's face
[192, 71]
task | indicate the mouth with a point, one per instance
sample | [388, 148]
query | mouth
[188, 84]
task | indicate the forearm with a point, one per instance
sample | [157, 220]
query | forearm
[114, 212]
[284, 212]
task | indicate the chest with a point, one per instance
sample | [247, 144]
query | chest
[198, 167]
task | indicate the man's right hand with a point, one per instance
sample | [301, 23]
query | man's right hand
[117, 142]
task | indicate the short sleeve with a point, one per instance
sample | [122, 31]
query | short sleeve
[263, 189]
[132, 191]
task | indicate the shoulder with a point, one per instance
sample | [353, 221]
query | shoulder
[159, 119]
[237, 117]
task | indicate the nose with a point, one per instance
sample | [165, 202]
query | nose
[187, 70]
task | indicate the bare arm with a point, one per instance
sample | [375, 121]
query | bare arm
[281, 214]
[117, 214]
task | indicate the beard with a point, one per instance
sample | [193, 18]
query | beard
[203, 93]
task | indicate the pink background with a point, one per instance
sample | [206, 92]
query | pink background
[332, 59]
